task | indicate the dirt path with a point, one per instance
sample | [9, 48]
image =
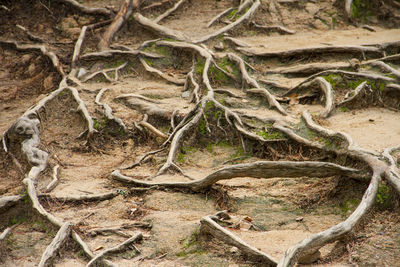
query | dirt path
[229, 119]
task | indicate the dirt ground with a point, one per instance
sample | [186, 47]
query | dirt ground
[268, 214]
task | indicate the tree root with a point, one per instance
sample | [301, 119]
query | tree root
[327, 90]
[315, 241]
[81, 106]
[43, 50]
[243, 18]
[277, 28]
[219, 16]
[259, 169]
[392, 174]
[87, 250]
[386, 67]
[311, 68]
[236, 42]
[250, 81]
[348, 8]
[362, 75]
[209, 226]
[77, 48]
[31, 36]
[142, 159]
[87, 10]
[151, 128]
[159, 29]
[112, 52]
[108, 110]
[54, 181]
[124, 13]
[55, 245]
[104, 72]
[9, 201]
[169, 11]
[87, 198]
[350, 97]
[160, 73]
[121, 247]
[5, 233]
[351, 49]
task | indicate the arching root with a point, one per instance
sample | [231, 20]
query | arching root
[258, 169]
[108, 110]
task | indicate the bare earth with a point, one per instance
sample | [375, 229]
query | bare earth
[269, 214]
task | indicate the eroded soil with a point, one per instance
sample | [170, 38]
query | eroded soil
[269, 214]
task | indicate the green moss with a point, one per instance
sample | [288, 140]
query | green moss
[180, 158]
[349, 205]
[199, 66]
[362, 9]
[343, 109]
[333, 79]
[191, 245]
[354, 84]
[217, 76]
[202, 126]
[270, 135]
[383, 198]
[232, 14]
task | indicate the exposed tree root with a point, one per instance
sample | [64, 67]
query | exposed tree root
[81, 106]
[314, 242]
[169, 11]
[327, 90]
[77, 48]
[33, 47]
[151, 128]
[250, 81]
[159, 29]
[124, 13]
[31, 36]
[54, 181]
[219, 16]
[55, 245]
[87, 10]
[243, 18]
[143, 158]
[108, 110]
[5, 233]
[160, 73]
[104, 72]
[209, 226]
[259, 169]
[121, 247]
[111, 53]
[309, 68]
[8, 201]
[386, 67]
[351, 49]
[277, 28]
[86, 198]
[236, 42]
[348, 8]
[350, 97]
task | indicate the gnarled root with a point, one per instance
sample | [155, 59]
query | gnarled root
[209, 226]
[258, 169]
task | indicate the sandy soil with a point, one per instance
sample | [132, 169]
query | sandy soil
[282, 211]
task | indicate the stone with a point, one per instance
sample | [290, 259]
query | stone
[234, 250]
